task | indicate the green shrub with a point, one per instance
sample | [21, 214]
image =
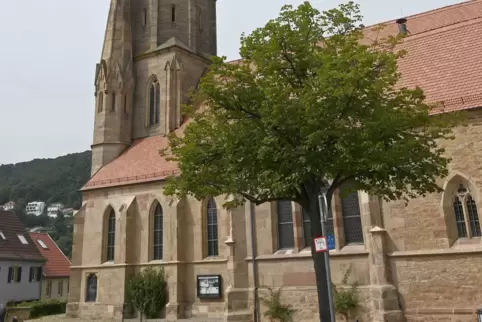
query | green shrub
[277, 311]
[346, 299]
[147, 291]
[44, 308]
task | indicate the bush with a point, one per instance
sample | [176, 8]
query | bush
[147, 291]
[44, 308]
[346, 299]
[277, 311]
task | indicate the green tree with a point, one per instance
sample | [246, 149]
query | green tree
[147, 291]
[309, 108]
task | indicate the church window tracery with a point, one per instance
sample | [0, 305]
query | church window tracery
[154, 101]
[466, 214]
[110, 245]
[212, 228]
[158, 233]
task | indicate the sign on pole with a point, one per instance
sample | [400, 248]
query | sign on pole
[330, 239]
[320, 244]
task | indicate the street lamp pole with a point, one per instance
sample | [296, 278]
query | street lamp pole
[323, 204]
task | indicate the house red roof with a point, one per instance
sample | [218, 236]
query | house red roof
[58, 265]
[15, 242]
[444, 59]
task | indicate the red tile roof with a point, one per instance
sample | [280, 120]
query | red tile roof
[58, 265]
[444, 58]
[11, 247]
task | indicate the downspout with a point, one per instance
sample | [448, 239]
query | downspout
[255, 266]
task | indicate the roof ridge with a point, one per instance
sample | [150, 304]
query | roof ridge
[430, 12]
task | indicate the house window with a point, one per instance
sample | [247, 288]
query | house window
[212, 228]
[113, 102]
[286, 238]
[48, 291]
[307, 227]
[352, 225]
[466, 214]
[60, 288]
[42, 244]
[100, 102]
[154, 101]
[91, 292]
[14, 274]
[35, 274]
[2, 235]
[111, 236]
[158, 232]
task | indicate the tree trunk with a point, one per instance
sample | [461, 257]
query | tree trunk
[322, 284]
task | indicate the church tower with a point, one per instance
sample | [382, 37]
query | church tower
[155, 52]
[114, 85]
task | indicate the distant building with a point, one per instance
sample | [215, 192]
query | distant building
[68, 211]
[21, 262]
[35, 208]
[54, 209]
[56, 272]
[8, 206]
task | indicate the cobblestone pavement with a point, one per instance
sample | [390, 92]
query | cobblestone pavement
[63, 318]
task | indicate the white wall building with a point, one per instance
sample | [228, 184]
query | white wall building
[9, 206]
[54, 209]
[35, 208]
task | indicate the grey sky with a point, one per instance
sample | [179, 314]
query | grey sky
[49, 52]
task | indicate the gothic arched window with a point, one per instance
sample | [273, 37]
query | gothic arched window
[284, 211]
[212, 228]
[91, 291]
[158, 233]
[110, 251]
[154, 101]
[466, 214]
[307, 227]
[352, 225]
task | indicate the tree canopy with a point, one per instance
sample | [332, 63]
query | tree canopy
[309, 104]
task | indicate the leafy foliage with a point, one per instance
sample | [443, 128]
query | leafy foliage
[276, 311]
[44, 308]
[319, 106]
[346, 299]
[48, 180]
[147, 291]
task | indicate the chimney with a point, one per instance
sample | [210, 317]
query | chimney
[402, 26]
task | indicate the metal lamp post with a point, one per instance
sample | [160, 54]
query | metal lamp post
[323, 204]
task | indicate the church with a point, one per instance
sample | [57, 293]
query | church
[416, 262]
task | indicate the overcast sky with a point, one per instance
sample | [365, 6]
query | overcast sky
[50, 48]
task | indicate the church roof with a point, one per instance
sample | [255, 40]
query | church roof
[444, 58]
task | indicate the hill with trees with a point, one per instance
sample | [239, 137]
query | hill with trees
[51, 181]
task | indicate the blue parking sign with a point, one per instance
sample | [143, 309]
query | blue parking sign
[330, 239]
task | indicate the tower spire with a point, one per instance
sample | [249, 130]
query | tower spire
[114, 85]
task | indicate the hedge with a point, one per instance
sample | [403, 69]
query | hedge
[44, 308]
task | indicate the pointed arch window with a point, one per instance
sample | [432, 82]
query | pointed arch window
[466, 214]
[307, 227]
[352, 225]
[110, 251]
[212, 228]
[284, 211]
[91, 292]
[154, 101]
[158, 232]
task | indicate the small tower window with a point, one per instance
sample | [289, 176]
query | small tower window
[125, 103]
[100, 102]
[113, 103]
[144, 17]
[173, 13]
